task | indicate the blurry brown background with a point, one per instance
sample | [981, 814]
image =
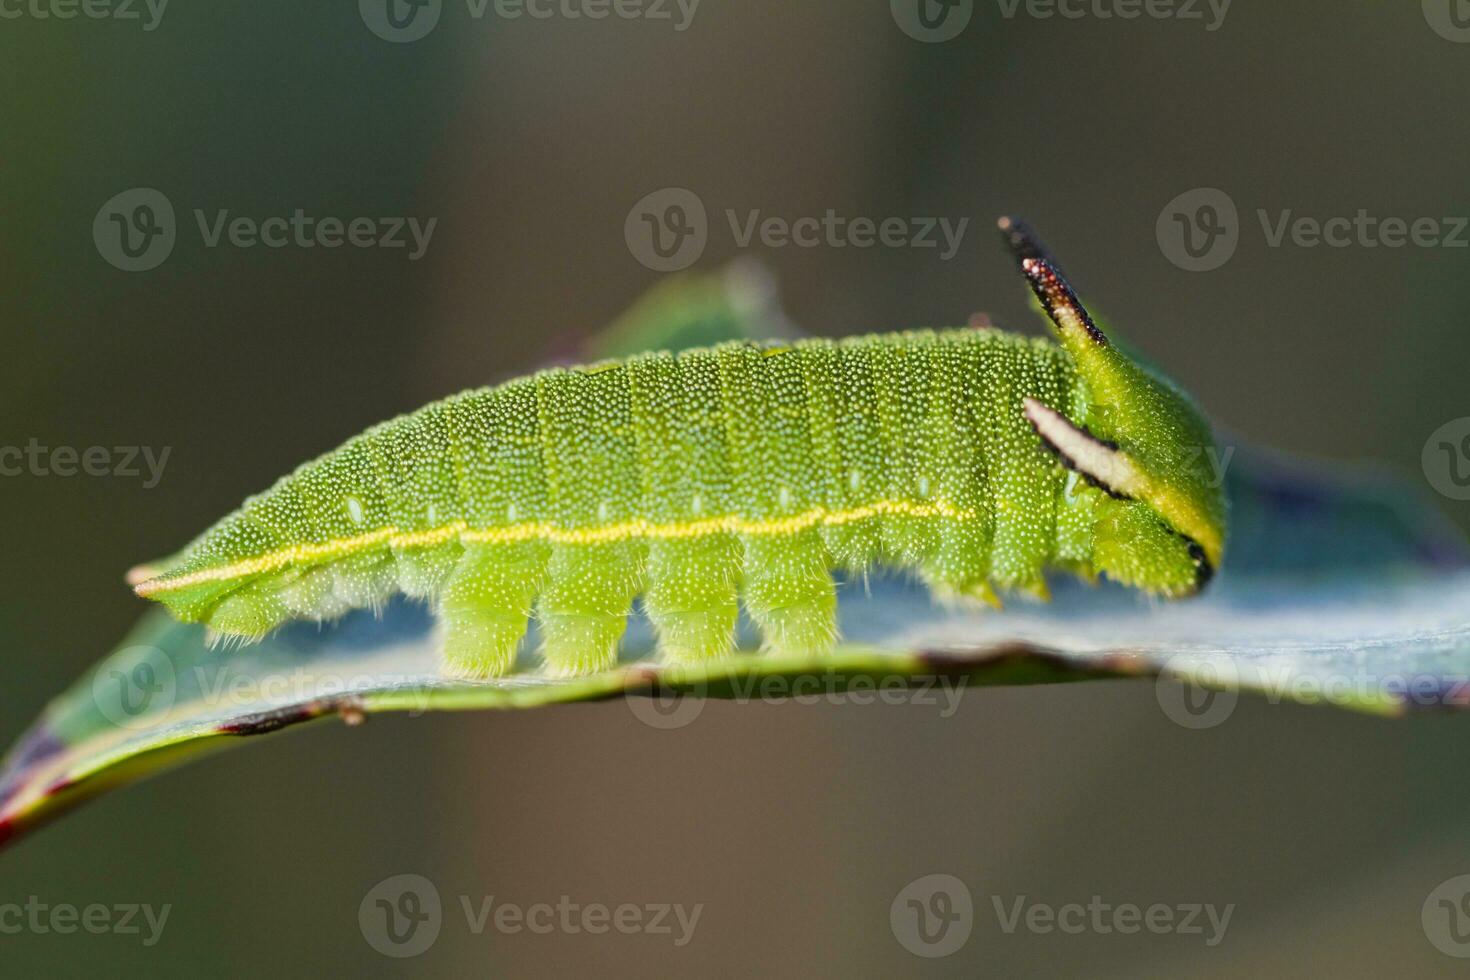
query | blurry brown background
[530, 140]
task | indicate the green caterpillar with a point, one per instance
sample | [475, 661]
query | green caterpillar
[736, 475]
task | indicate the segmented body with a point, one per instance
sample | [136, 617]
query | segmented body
[703, 481]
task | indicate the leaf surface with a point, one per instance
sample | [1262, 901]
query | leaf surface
[1339, 587]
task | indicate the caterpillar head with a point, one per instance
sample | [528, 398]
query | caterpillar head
[1141, 441]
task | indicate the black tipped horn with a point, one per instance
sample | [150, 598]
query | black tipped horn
[1023, 243]
[1058, 299]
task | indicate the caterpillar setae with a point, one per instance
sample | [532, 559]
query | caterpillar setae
[739, 475]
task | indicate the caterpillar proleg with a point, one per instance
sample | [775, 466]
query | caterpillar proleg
[742, 475]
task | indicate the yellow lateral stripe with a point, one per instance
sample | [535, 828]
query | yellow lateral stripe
[543, 531]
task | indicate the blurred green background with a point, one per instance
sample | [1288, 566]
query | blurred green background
[530, 140]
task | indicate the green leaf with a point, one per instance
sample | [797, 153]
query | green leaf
[1339, 588]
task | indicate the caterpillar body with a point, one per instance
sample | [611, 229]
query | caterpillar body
[736, 476]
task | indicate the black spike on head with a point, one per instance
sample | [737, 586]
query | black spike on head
[1023, 243]
[1058, 299]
